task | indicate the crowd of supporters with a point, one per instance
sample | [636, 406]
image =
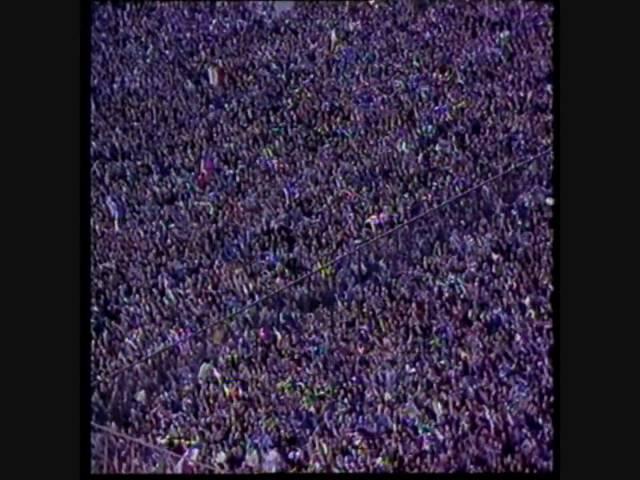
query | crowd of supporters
[235, 148]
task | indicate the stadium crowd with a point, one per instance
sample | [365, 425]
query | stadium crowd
[234, 150]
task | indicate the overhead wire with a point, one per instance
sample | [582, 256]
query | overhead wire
[148, 445]
[323, 265]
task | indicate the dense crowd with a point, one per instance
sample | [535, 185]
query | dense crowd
[234, 150]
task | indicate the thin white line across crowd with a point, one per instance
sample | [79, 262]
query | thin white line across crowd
[165, 451]
[324, 265]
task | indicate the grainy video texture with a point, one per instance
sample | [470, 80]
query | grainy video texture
[237, 147]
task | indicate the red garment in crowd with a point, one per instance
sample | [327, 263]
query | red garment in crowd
[203, 179]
